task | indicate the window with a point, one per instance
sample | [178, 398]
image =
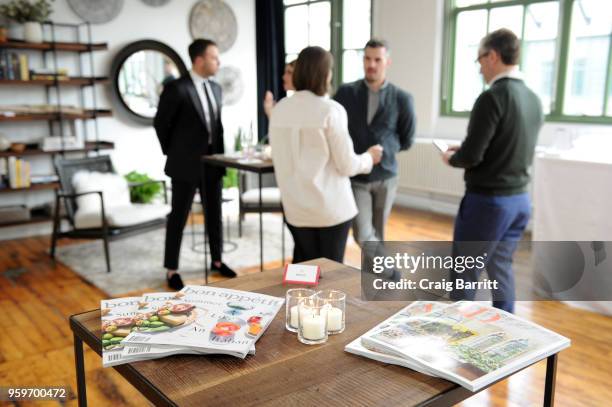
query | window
[565, 58]
[333, 25]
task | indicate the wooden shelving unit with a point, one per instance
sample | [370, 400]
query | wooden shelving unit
[55, 46]
[53, 86]
[33, 220]
[89, 146]
[33, 187]
[88, 114]
[72, 81]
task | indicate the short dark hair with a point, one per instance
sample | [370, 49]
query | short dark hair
[505, 43]
[198, 47]
[312, 69]
[377, 43]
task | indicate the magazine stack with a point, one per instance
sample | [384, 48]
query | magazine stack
[468, 343]
[196, 320]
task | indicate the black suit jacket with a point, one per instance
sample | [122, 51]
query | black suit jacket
[393, 125]
[180, 125]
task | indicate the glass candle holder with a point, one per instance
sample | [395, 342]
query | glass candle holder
[312, 321]
[292, 299]
[336, 303]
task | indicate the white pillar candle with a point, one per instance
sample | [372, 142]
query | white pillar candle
[313, 327]
[334, 319]
[294, 317]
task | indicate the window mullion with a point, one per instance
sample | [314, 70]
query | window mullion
[523, 37]
[563, 51]
[608, 79]
[449, 58]
[336, 41]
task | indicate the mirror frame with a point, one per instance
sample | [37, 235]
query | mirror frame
[123, 55]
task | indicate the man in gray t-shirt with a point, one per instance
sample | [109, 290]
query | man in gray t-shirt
[378, 113]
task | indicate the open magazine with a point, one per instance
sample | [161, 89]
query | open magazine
[466, 342]
[201, 319]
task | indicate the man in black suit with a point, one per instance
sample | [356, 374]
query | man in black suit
[188, 125]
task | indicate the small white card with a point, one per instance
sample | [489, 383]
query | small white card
[301, 274]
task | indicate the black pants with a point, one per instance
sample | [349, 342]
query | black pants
[182, 198]
[312, 243]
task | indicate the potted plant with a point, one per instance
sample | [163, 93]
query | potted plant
[142, 193]
[26, 18]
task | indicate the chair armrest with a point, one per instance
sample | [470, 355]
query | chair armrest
[153, 181]
[76, 195]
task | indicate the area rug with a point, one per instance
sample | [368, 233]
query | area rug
[137, 262]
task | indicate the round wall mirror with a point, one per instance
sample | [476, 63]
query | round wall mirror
[139, 72]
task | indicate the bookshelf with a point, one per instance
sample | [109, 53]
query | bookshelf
[55, 84]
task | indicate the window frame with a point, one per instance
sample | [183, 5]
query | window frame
[336, 28]
[560, 68]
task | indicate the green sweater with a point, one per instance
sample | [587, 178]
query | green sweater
[501, 139]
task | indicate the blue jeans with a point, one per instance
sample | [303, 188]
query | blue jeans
[498, 222]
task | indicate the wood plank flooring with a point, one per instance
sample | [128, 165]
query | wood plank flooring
[37, 296]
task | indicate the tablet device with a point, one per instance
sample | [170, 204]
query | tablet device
[440, 145]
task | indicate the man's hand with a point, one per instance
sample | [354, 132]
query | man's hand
[376, 152]
[448, 154]
[268, 103]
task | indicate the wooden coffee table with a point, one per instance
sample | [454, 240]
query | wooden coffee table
[285, 372]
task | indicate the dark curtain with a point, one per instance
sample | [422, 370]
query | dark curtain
[270, 40]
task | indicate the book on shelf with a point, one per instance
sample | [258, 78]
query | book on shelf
[198, 320]
[58, 143]
[19, 173]
[468, 343]
[14, 66]
[44, 179]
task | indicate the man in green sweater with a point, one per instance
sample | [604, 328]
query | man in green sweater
[496, 155]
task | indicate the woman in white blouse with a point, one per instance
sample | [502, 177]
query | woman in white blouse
[313, 159]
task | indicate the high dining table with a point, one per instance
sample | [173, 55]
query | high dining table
[258, 166]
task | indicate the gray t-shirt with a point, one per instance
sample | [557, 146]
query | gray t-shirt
[373, 101]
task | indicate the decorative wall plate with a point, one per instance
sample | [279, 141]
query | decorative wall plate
[156, 3]
[230, 79]
[96, 11]
[215, 20]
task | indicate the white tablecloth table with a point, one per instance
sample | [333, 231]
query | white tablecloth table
[572, 200]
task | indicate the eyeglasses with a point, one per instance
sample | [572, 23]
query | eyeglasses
[484, 54]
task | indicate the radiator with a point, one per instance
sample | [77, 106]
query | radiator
[421, 169]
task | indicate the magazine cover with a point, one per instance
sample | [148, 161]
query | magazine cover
[469, 343]
[146, 320]
[208, 319]
[414, 309]
[117, 321]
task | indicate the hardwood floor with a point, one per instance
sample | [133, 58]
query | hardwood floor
[37, 296]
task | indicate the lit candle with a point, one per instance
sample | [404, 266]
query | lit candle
[313, 327]
[334, 319]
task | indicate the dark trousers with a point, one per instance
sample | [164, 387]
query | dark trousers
[497, 222]
[312, 243]
[182, 198]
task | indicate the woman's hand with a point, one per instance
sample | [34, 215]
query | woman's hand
[376, 152]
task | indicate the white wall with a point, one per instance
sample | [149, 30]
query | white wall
[136, 146]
